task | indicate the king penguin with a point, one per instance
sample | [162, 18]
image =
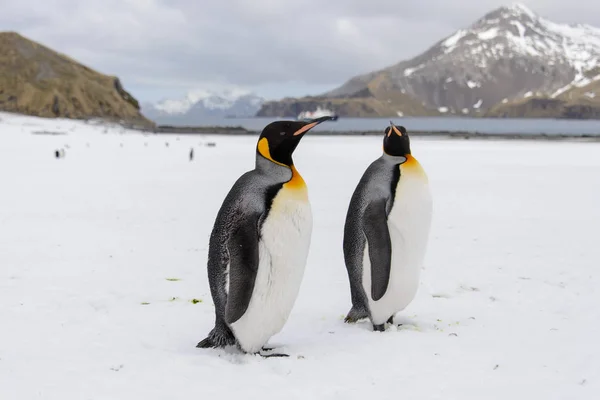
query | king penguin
[259, 244]
[386, 232]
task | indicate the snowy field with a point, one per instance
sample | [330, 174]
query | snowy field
[104, 293]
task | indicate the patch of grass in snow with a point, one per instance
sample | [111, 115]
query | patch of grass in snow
[407, 327]
[173, 279]
[196, 301]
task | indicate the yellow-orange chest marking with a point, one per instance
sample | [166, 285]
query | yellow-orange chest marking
[412, 167]
[296, 187]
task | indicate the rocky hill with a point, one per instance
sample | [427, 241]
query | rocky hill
[508, 55]
[373, 101]
[378, 97]
[38, 81]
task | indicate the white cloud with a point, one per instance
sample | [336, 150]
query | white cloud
[186, 43]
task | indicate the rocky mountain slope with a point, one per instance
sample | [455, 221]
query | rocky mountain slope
[507, 55]
[373, 101]
[36, 80]
[580, 100]
[199, 105]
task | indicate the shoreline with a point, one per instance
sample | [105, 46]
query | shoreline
[238, 130]
[241, 131]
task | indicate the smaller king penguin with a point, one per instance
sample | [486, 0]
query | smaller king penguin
[259, 244]
[386, 232]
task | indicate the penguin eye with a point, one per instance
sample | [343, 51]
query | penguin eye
[282, 133]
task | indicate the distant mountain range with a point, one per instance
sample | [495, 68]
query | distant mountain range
[509, 63]
[196, 106]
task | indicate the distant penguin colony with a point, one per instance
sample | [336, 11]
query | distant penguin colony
[259, 244]
[386, 232]
[261, 237]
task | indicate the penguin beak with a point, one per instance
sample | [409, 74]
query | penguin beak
[394, 129]
[312, 124]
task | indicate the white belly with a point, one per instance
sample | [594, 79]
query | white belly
[408, 223]
[283, 250]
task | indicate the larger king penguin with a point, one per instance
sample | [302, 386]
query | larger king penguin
[386, 232]
[259, 244]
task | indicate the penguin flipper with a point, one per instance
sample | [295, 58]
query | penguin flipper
[243, 266]
[380, 246]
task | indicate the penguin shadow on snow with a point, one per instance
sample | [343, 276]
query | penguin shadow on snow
[415, 324]
[236, 354]
[233, 354]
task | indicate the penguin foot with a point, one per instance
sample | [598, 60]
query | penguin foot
[355, 315]
[267, 349]
[379, 328]
[274, 355]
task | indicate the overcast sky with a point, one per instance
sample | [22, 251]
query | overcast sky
[164, 48]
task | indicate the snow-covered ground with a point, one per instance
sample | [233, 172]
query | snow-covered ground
[104, 293]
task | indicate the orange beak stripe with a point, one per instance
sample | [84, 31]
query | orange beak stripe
[305, 128]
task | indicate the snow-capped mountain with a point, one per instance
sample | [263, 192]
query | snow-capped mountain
[509, 53]
[201, 104]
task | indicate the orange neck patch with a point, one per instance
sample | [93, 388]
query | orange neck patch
[297, 182]
[413, 166]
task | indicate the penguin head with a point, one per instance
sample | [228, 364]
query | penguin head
[396, 142]
[279, 139]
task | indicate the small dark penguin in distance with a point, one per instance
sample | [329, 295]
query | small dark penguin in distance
[259, 244]
[386, 232]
